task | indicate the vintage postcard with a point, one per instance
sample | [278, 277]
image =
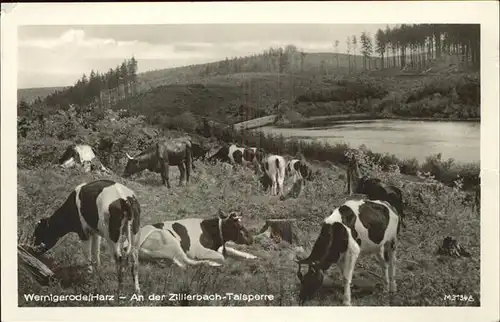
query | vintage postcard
[297, 156]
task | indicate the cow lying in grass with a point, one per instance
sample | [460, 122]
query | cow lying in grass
[101, 208]
[357, 227]
[80, 154]
[374, 189]
[160, 156]
[274, 169]
[195, 241]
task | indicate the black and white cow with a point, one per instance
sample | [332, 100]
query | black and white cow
[298, 170]
[80, 154]
[233, 154]
[359, 226]
[101, 208]
[195, 241]
[274, 169]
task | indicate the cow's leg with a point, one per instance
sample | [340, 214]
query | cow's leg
[182, 170]
[211, 255]
[273, 187]
[189, 164]
[165, 173]
[188, 170]
[341, 265]
[119, 270]
[281, 181]
[385, 268]
[349, 263]
[87, 250]
[236, 253]
[96, 249]
[135, 269]
[390, 256]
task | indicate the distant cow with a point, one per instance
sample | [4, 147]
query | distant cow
[298, 170]
[374, 189]
[357, 227]
[80, 154]
[101, 208]
[274, 169]
[159, 156]
[195, 241]
[234, 154]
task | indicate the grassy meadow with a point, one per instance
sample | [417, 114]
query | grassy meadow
[310, 89]
[424, 278]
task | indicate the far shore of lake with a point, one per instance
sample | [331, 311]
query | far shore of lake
[354, 118]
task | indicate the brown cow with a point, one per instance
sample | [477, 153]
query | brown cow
[159, 156]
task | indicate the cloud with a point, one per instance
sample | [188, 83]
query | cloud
[72, 38]
[74, 50]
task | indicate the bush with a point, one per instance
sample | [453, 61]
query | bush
[410, 166]
[293, 116]
[42, 152]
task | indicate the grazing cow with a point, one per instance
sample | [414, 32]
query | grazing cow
[159, 156]
[274, 169]
[299, 170]
[357, 227]
[233, 154]
[198, 150]
[80, 154]
[101, 208]
[195, 241]
[374, 188]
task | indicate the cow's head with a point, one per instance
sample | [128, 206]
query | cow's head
[309, 174]
[233, 229]
[311, 282]
[44, 236]
[331, 242]
[198, 150]
[133, 166]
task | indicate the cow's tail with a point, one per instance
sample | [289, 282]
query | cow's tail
[129, 226]
[189, 156]
[277, 174]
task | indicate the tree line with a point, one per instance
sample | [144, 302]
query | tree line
[97, 89]
[414, 45]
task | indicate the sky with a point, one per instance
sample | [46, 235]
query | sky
[58, 55]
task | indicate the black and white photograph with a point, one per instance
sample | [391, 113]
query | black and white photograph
[214, 163]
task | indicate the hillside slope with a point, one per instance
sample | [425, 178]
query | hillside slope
[316, 63]
[30, 94]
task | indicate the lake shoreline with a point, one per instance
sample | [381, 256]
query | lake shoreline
[404, 139]
[353, 118]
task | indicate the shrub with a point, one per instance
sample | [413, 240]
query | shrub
[38, 153]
